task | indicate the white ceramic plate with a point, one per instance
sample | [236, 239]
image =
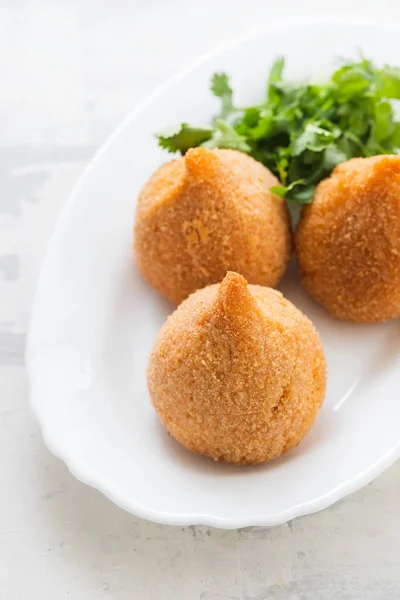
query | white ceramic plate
[95, 319]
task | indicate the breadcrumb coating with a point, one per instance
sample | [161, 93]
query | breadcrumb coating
[237, 373]
[348, 241]
[206, 213]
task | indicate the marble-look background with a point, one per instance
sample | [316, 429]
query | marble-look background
[70, 70]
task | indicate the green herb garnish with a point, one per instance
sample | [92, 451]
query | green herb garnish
[303, 130]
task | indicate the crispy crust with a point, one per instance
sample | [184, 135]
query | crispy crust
[237, 373]
[206, 213]
[348, 241]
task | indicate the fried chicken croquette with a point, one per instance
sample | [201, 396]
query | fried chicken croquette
[348, 241]
[237, 373]
[206, 213]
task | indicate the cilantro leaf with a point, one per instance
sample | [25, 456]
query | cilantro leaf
[220, 85]
[283, 190]
[351, 81]
[221, 88]
[383, 125]
[390, 77]
[275, 76]
[333, 156]
[276, 71]
[302, 130]
[303, 195]
[314, 138]
[225, 136]
[183, 138]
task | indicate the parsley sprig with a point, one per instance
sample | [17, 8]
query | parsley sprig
[303, 130]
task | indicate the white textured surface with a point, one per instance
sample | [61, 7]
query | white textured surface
[95, 320]
[70, 71]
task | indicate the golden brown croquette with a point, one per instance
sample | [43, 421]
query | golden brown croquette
[206, 213]
[237, 373]
[348, 240]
